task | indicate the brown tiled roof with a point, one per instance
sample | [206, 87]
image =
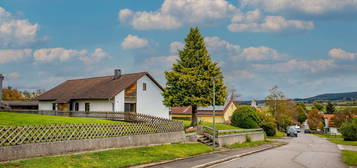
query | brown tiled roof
[21, 103]
[92, 88]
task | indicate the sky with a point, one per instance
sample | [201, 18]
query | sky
[304, 47]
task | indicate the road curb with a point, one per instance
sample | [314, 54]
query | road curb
[238, 156]
[210, 163]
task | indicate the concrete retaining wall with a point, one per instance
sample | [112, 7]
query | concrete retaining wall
[64, 147]
[231, 139]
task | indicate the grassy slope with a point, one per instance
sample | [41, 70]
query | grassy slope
[350, 157]
[114, 158]
[208, 124]
[22, 119]
[278, 134]
[248, 144]
[341, 141]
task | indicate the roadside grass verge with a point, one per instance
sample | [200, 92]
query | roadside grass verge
[349, 157]
[248, 144]
[23, 119]
[278, 134]
[328, 136]
[341, 141]
[114, 158]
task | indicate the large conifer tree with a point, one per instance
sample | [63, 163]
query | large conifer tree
[190, 81]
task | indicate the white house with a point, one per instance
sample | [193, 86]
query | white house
[136, 92]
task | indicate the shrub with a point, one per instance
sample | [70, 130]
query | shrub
[349, 130]
[269, 128]
[245, 117]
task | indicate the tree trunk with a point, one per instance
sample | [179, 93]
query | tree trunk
[194, 116]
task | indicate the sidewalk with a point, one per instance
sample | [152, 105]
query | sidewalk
[212, 158]
[347, 147]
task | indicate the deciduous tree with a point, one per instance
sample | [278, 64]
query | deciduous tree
[315, 119]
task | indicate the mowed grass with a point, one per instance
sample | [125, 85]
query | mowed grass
[328, 136]
[341, 141]
[114, 158]
[23, 119]
[219, 126]
[248, 144]
[350, 157]
[278, 134]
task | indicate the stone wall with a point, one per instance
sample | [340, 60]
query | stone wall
[231, 139]
[8, 153]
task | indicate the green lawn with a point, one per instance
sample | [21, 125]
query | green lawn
[219, 126]
[350, 157]
[328, 136]
[341, 141]
[23, 119]
[248, 144]
[114, 158]
[278, 134]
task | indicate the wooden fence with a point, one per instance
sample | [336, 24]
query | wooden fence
[139, 124]
[116, 116]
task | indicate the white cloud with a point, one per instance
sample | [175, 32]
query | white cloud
[218, 46]
[261, 53]
[243, 74]
[61, 54]
[176, 45]
[133, 42]
[338, 53]
[125, 14]
[304, 6]
[16, 32]
[174, 13]
[251, 23]
[11, 55]
[293, 65]
[96, 56]
[13, 75]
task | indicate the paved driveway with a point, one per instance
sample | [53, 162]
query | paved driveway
[304, 151]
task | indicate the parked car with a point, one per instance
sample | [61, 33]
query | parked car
[292, 131]
[297, 128]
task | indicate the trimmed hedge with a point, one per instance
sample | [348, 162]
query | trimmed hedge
[349, 130]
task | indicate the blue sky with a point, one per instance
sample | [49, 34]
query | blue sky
[304, 47]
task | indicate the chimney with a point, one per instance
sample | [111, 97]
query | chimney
[1, 79]
[117, 74]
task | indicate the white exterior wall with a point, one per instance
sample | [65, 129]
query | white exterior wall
[95, 105]
[119, 102]
[45, 105]
[150, 102]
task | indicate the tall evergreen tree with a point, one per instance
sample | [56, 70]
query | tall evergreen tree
[330, 108]
[190, 81]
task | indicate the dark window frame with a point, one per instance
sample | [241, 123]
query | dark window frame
[76, 106]
[86, 107]
[144, 86]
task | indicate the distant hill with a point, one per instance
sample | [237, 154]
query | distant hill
[347, 96]
[332, 97]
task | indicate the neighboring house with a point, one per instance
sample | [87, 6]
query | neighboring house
[22, 104]
[330, 126]
[253, 103]
[222, 113]
[136, 92]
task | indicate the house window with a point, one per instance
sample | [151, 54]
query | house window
[76, 107]
[53, 106]
[70, 106]
[144, 86]
[86, 107]
[130, 107]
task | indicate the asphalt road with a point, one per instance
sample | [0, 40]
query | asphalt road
[304, 151]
